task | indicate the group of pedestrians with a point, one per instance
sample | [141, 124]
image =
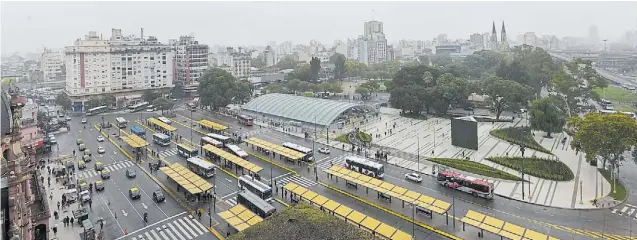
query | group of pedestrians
[68, 221]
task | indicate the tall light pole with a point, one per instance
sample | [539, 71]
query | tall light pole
[190, 123]
[418, 136]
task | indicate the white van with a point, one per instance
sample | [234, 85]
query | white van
[71, 195]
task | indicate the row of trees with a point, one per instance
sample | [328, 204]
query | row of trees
[218, 88]
[296, 85]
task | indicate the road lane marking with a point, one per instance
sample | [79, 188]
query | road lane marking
[190, 223]
[148, 236]
[180, 227]
[129, 202]
[109, 210]
[151, 225]
[153, 202]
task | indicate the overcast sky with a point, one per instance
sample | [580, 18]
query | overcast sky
[29, 26]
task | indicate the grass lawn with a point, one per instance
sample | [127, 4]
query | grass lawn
[364, 137]
[622, 99]
[537, 167]
[474, 167]
[516, 134]
[621, 189]
[343, 138]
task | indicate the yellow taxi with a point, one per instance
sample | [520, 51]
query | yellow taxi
[105, 174]
[88, 152]
[82, 147]
[134, 193]
[81, 164]
[99, 185]
[83, 186]
[99, 166]
[79, 141]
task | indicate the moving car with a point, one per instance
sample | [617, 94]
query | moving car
[99, 166]
[79, 141]
[68, 118]
[83, 120]
[100, 138]
[86, 158]
[52, 140]
[134, 193]
[81, 164]
[82, 147]
[130, 173]
[85, 196]
[158, 196]
[99, 185]
[71, 195]
[105, 174]
[324, 150]
[414, 177]
[88, 152]
[101, 150]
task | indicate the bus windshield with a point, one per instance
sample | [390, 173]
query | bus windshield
[121, 122]
[201, 167]
[161, 139]
[96, 110]
[186, 151]
[255, 186]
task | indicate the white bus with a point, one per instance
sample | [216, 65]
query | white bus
[121, 122]
[187, 151]
[604, 112]
[207, 140]
[164, 120]
[225, 140]
[161, 139]
[255, 204]
[201, 167]
[257, 187]
[138, 107]
[364, 166]
[236, 150]
[96, 110]
[309, 154]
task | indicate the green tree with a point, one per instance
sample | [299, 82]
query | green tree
[441, 60]
[218, 88]
[538, 65]
[339, 65]
[301, 72]
[64, 101]
[482, 62]
[94, 101]
[424, 60]
[353, 68]
[274, 88]
[514, 71]
[607, 136]
[257, 62]
[150, 95]
[546, 116]
[163, 104]
[450, 90]
[363, 91]
[315, 67]
[109, 100]
[506, 94]
[413, 75]
[287, 62]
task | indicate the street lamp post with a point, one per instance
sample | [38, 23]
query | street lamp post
[418, 145]
[522, 151]
[191, 129]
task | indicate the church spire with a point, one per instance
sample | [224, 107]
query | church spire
[503, 34]
[494, 38]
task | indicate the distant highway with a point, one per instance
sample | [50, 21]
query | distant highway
[604, 73]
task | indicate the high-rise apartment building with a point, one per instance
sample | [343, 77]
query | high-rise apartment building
[269, 56]
[123, 66]
[476, 39]
[373, 27]
[191, 62]
[372, 47]
[52, 65]
[237, 62]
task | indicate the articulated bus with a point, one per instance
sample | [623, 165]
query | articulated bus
[237, 151]
[187, 151]
[161, 139]
[138, 107]
[225, 140]
[257, 187]
[309, 154]
[245, 120]
[96, 110]
[364, 166]
[201, 167]
[164, 120]
[255, 204]
[471, 185]
[121, 122]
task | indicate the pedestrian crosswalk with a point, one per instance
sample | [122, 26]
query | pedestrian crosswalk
[168, 153]
[111, 167]
[298, 179]
[626, 210]
[181, 227]
[339, 161]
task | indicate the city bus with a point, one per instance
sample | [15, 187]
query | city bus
[245, 120]
[201, 167]
[121, 122]
[207, 140]
[255, 204]
[604, 112]
[187, 151]
[138, 107]
[237, 151]
[309, 153]
[225, 140]
[96, 110]
[161, 139]
[164, 120]
[257, 187]
[468, 184]
[364, 166]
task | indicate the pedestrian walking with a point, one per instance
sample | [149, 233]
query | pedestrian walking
[71, 221]
[55, 229]
[58, 205]
[55, 214]
[90, 203]
[199, 213]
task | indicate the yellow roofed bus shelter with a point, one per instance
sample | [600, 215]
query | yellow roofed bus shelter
[137, 143]
[211, 126]
[229, 159]
[165, 128]
[186, 179]
[278, 149]
[240, 218]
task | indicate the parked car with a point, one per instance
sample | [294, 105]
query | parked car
[414, 177]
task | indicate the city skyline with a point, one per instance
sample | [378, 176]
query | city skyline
[24, 25]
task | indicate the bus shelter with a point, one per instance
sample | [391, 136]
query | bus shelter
[378, 228]
[160, 126]
[284, 153]
[240, 218]
[212, 126]
[385, 190]
[229, 160]
[138, 144]
[194, 185]
[500, 228]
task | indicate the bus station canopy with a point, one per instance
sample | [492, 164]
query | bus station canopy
[240, 218]
[350, 215]
[161, 124]
[232, 158]
[424, 201]
[502, 228]
[283, 151]
[186, 178]
[135, 141]
[212, 125]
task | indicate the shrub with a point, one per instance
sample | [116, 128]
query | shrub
[474, 167]
[537, 167]
[343, 138]
[515, 134]
[620, 194]
[364, 137]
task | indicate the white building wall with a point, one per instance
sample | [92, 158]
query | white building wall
[51, 63]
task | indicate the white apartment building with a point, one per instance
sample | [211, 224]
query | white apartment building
[340, 47]
[269, 56]
[235, 62]
[363, 50]
[123, 66]
[285, 48]
[372, 27]
[530, 39]
[51, 64]
[352, 49]
[191, 62]
[324, 57]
